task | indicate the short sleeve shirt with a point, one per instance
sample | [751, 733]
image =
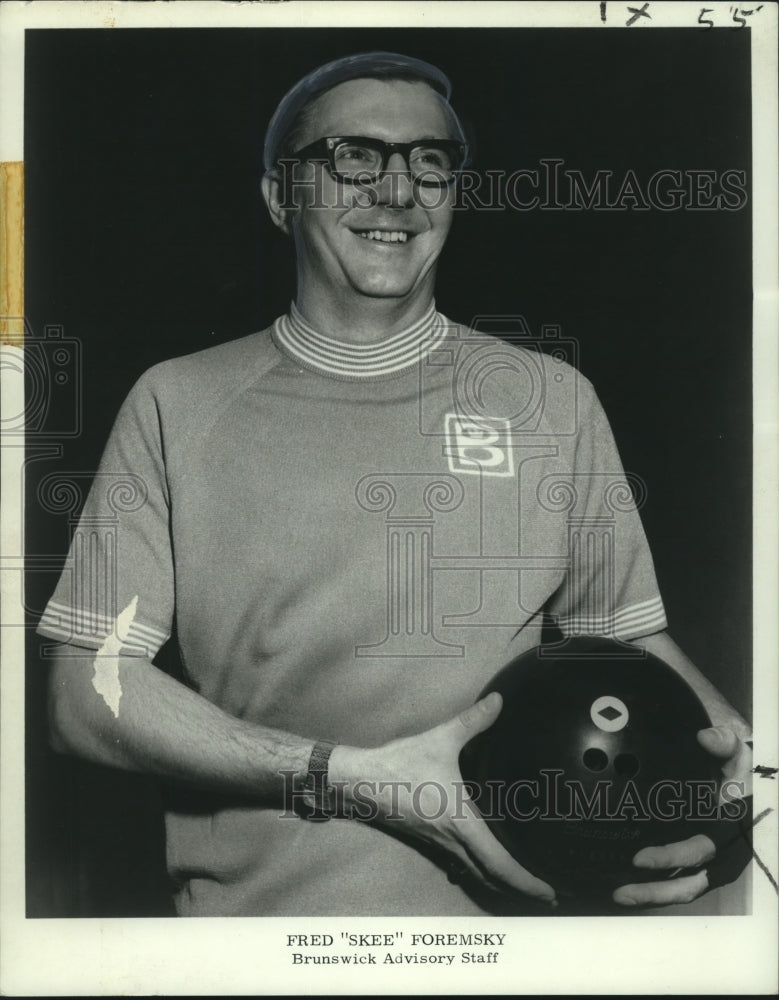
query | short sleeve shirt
[350, 554]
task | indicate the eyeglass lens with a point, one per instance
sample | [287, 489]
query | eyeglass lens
[353, 160]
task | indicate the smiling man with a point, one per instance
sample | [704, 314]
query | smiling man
[366, 265]
[328, 512]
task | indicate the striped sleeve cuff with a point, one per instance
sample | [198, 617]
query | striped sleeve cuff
[625, 623]
[81, 627]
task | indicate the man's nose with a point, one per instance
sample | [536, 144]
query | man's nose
[395, 187]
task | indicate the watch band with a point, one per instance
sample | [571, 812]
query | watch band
[319, 795]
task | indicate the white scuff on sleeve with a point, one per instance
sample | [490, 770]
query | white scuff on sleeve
[106, 678]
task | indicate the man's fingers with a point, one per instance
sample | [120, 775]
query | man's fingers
[698, 850]
[500, 868]
[736, 755]
[682, 890]
[461, 866]
[719, 741]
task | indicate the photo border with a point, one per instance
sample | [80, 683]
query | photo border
[239, 956]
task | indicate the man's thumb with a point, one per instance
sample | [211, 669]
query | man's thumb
[480, 715]
[719, 741]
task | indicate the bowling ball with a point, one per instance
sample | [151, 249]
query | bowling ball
[593, 757]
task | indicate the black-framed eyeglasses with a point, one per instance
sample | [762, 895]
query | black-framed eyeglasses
[358, 159]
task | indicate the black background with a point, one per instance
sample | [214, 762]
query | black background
[146, 238]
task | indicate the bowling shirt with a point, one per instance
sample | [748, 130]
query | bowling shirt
[348, 542]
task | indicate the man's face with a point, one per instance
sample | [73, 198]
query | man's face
[335, 255]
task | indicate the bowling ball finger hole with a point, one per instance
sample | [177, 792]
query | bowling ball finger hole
[626, 764]
[595, 759]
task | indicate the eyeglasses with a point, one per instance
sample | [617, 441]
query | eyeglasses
[357, 159]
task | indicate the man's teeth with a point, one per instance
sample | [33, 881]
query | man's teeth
[384, 236]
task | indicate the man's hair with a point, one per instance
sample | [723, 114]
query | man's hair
[293, 114]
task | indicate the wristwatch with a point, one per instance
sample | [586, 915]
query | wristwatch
[318, 796]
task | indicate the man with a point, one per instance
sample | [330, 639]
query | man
[352, 520]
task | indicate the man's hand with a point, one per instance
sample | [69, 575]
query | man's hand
[699, 850]
[418, 793]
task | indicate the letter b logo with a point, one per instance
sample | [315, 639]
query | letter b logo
[479, 446]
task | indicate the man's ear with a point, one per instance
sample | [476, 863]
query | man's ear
[271, 192]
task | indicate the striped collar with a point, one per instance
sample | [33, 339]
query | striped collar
[343, 360]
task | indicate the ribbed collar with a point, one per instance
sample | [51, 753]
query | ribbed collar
[343, 360]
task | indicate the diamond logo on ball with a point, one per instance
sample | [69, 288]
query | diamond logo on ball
[609, 714]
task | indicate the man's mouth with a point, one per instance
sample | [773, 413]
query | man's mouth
[384, 235]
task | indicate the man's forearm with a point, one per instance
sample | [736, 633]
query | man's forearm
[161, 727]
[720, 711]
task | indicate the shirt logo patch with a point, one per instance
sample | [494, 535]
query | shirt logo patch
[479, 445]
